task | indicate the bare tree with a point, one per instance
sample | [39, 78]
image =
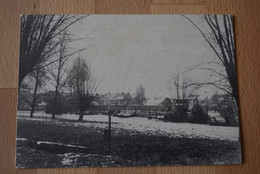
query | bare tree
[38, 39]
[181, 86]
[57, 70]
[83, 83]
[140, 95]
[220, 38]
[40, 76]
[188, 91]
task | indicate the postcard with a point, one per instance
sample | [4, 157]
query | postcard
[127, 90]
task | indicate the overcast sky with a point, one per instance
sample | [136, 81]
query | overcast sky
[126, 50]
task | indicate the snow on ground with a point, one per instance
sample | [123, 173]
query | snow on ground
[72, 159]
[146, 126]
[68, 159]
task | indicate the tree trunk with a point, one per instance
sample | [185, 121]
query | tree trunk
[177, 86]
[82, 107]
[81, 116]
[56, 90]
[140, 110]
[55, 103]
[35, 93]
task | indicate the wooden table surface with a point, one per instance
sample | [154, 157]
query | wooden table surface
[247, 40]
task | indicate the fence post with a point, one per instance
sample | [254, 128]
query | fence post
[109, 130]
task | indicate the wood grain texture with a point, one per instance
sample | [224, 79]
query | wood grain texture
[247, 38]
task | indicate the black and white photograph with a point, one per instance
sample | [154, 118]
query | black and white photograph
[127, 90]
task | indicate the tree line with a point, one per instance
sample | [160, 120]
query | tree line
[44, 53]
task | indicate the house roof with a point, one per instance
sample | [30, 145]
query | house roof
[118, 96]
[95, 103]
[153, 102]
[107, 96]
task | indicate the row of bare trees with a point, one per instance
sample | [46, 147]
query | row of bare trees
[219, 35]
[217, 30]
[180, 86]
[44, 53]
[39, 40]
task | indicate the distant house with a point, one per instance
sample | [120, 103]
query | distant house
[153, 104]
[121, 99]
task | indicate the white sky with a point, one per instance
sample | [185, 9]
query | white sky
[126, 50]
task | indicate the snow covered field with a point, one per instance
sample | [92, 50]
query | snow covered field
[143, 125]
